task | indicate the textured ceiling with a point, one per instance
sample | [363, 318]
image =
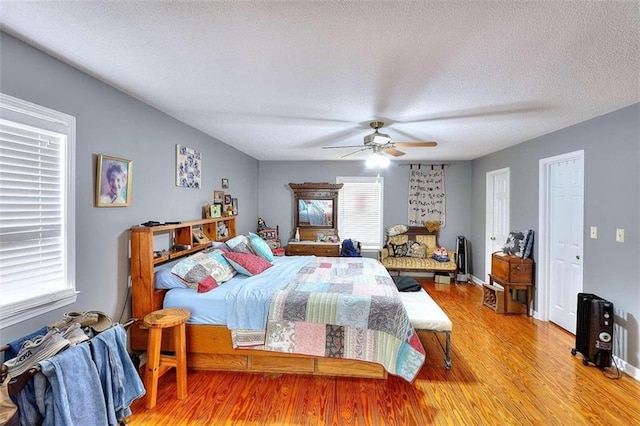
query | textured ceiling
[280, 80]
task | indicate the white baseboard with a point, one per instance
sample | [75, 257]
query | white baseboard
[476, 280]
[627, 368]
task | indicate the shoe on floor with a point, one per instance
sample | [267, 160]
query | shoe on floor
[35, 350]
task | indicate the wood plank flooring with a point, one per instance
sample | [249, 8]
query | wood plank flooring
[508, 370]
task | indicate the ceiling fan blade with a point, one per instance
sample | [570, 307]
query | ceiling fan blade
[344, 146]
[393, 151]
[354, 152]
[506, 109]
[414, 144]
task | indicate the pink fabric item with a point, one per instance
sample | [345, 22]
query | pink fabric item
[311, 338]
[246, 263]
[207, 284]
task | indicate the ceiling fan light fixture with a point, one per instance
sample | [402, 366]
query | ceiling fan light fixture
[377, 138]
[377, 160]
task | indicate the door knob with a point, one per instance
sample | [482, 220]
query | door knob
[578, 257]
[493, 238]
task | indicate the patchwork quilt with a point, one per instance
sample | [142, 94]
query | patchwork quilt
[344, 308]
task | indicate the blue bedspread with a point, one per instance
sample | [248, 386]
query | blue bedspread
[248, 305]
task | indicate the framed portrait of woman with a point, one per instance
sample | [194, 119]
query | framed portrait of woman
[113, 181]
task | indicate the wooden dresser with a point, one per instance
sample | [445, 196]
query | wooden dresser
[308, 248]
[512, 273]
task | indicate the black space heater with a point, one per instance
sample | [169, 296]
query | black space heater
[462, 259]
[594, 330]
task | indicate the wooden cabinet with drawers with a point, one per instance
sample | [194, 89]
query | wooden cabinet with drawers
[513, 274]
[511, 269]
[313, 248]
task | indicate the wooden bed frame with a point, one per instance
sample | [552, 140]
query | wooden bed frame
[209, 347]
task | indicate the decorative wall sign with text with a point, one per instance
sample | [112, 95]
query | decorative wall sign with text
[426, 197]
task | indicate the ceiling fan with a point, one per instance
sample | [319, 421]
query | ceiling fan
[380, 142]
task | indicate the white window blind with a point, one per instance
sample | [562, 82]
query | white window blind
[37, 256]
[360, 210]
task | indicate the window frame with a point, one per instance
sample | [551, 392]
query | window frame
[363, 179]
[25, 113]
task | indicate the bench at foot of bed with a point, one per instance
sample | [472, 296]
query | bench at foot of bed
[426, 315]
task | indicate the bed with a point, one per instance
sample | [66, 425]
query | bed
[313, 212]
[371, 335]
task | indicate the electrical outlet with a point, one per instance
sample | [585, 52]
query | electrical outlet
[620, 235]
[594, 232]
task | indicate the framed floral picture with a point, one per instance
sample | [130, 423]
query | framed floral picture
[225, 183]
[188, 167]
[113, 181]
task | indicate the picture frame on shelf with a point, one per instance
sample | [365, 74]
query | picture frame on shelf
[216, 210]
[227, 199]
[225, 183]
[113, 181]
[218, 197]
[234, 205]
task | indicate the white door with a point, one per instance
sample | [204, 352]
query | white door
[497, 207]
[565, 240]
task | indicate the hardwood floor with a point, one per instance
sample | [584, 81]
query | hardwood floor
[509, 370]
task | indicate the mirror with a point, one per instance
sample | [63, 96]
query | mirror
[315, 208]
[315, 212]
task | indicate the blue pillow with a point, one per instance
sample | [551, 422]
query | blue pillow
[165, 279]
[260, 247]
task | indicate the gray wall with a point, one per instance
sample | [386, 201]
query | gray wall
[612, 200]
[110, 122]
[275, 196]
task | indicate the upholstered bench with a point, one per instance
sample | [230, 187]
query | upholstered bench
[426, 315]
[417, 264]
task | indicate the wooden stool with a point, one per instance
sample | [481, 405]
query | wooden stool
[158, 364]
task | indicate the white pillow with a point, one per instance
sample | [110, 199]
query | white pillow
[396, 230]
[236, 244]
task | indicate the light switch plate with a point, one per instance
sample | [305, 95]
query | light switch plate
[594, 232]
[620, 235]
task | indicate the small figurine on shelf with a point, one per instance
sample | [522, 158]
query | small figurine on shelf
[297, 234]
[261, 224]
[229, 210]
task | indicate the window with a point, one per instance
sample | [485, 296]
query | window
[37, 218]
[360, 210]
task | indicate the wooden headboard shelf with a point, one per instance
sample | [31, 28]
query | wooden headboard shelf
[147, 298]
